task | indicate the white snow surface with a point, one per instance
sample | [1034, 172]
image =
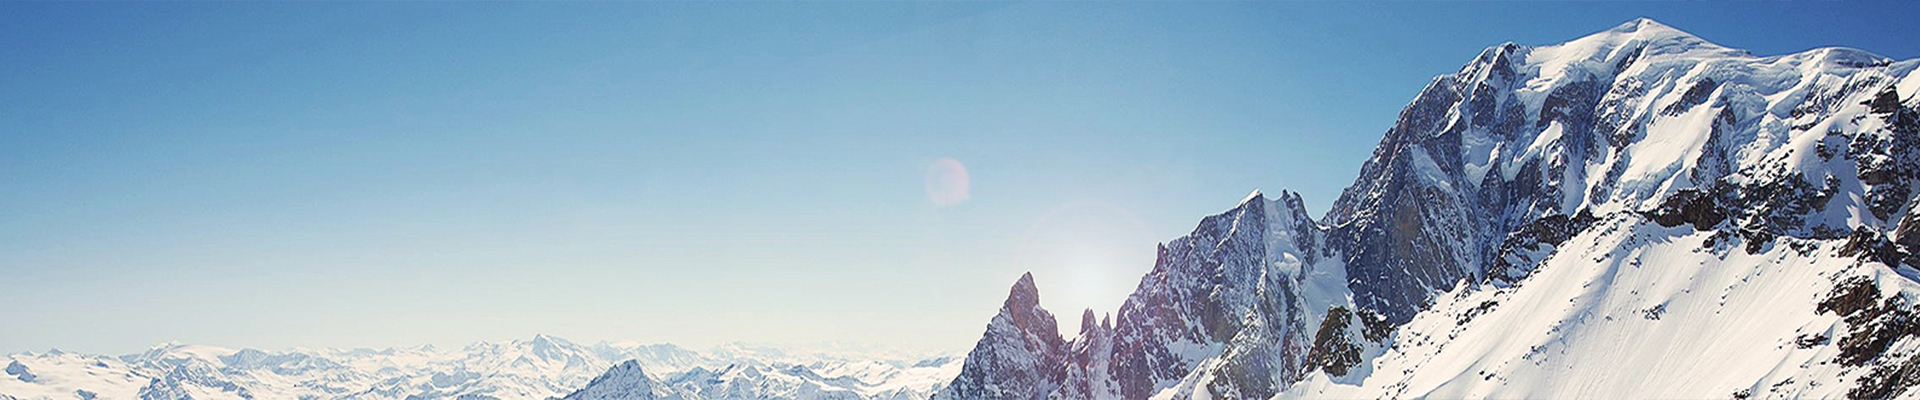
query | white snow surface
[1750, 107]
[1628, 310]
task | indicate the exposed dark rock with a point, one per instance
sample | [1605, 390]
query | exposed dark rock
[1850, 296]
[1468, 316]
[1332, 350]
[1213, 286]
[1695, 95]
[1522, 250]
[1887, 381]
[1886, 102]
[1020, 356]
[1870, 245]
[1398, 233]
[1808, 341]
[1689, 206]
[1376, 326]
[1876, 325]
[1907, 233]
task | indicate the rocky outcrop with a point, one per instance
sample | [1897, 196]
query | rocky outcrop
[1020, 356]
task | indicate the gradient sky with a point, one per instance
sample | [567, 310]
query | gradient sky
[389, 174]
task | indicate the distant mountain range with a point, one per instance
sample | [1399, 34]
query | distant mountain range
[541, 368]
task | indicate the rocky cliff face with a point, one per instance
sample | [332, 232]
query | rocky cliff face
[1490, 174]
[1019, 356]
[1221, 313]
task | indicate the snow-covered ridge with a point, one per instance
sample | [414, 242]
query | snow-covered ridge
[1607, 203]
[539, 368]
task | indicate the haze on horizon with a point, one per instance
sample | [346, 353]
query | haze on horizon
[394, 174]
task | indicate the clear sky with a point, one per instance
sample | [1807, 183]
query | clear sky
[332, 174]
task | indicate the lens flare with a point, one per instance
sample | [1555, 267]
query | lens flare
[947, 182]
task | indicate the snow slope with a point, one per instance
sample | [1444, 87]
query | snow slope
[1632, 309]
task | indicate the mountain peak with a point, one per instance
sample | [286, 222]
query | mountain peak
[1642, 23]
[1647, 28]
[1024, 291]
[625, 381]
[1021, 343]
[544, 341]
[1641, 35]
[1022, 307]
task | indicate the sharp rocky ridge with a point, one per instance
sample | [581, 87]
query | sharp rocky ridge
[1634, 213]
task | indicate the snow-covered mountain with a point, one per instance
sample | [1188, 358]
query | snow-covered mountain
[541, 368]
[1636, 213]
[627, 381]
[845, 380]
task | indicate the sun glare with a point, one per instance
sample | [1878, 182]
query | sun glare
[1085, 255]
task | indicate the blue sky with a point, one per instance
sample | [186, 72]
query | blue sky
[388, 174]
